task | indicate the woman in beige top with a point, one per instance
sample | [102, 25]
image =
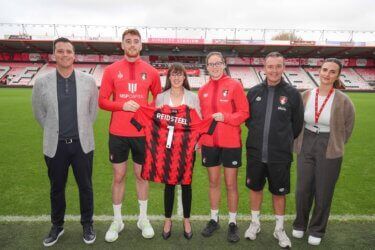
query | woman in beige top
[328, 124]
[177, 92]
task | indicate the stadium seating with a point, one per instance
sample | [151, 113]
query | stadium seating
[348, 76]
[24, 74]
[298, 78]
[18, 74]
[260, 73]
[162, 80]
[367, 74]
[352, 80]
[246, 74]
[98, 73]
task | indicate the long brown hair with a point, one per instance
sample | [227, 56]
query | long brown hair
[338, 83]
[176, 68]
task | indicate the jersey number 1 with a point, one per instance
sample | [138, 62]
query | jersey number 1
[170, 136]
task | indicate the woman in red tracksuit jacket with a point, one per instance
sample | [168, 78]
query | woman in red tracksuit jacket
[224, 99]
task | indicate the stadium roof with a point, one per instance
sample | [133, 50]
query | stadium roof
[344, 50]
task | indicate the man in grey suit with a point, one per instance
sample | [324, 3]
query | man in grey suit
[65, 105]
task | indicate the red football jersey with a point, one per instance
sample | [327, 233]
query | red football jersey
[123, 81]
[171, 136]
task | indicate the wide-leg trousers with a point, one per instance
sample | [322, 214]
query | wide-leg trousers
[316, 180]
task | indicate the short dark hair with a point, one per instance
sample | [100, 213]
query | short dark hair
[178, 68]
[133, 32]
[273, 54]
[337, 84]
[62, 40]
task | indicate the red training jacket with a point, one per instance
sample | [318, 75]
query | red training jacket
[126, 81]
[227, 96]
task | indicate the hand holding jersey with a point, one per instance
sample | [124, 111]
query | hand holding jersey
[130, 106]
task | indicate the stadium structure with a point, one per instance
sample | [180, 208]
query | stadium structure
[26, 52]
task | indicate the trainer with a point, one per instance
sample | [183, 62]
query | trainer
[276, 118]
[65, 105]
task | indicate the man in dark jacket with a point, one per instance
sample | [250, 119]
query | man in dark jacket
[276, 119]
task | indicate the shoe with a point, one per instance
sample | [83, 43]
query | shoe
[113, 231]
[53, 236]
[168, 234]
[187, 235]
[210, 228]
[315, 241]
[298, 233]
[145, 226]
[233, 233]
[284, 241]
[252, 231]
[89, 235]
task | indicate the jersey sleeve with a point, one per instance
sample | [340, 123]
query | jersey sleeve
[206, 126]
[105, 93]
[142, 117]
[241, 108]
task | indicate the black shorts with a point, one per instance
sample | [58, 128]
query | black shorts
[277, 174]
[120, 146]
[215, 156]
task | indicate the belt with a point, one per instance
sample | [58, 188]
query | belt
[68, 140]
[314, 129]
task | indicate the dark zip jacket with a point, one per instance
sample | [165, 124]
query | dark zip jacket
[285, 123]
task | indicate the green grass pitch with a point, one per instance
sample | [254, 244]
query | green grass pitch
[24, 183]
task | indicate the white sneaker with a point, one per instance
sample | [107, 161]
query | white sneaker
[284, 241]
[113, 231]
[315, 241]
[252, 231]
[298, 233]
[145, 226]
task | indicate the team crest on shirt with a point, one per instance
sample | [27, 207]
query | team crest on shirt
[283, 100]
[258, 99]
[120, 75]
[144, 76]
[205, 95]
[225, 92]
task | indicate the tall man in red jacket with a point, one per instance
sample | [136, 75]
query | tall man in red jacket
[125, 86]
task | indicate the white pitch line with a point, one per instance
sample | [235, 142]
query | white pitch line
[266, 217]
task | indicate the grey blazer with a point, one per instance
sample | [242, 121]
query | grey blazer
[191, 100]
[45, 109]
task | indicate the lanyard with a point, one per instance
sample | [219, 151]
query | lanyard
[317, 113]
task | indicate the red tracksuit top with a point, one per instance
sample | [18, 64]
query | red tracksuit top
[227, 96]
[126, 81]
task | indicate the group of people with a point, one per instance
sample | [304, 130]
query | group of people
[163, 136]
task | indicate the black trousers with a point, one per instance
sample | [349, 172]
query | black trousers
[70, 154]
[169, 200]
